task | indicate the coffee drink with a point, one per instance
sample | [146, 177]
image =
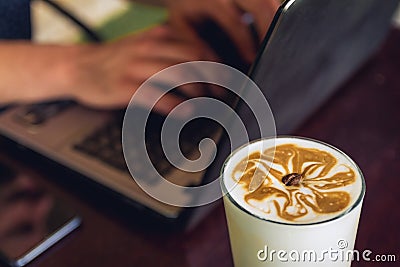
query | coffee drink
[292, 195]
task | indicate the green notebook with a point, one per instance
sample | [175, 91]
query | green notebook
[137, 17]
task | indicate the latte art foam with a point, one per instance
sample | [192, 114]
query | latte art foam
[329, 182]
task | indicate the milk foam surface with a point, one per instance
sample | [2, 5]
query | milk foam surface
[299, 200]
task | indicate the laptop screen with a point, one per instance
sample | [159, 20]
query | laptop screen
[311, 48]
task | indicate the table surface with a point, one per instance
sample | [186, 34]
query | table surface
[362, 119]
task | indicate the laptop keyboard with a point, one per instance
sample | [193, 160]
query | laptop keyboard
[105, 145]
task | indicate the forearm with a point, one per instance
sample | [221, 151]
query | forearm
[31, 72]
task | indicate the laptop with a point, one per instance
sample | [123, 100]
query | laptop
[311, 48]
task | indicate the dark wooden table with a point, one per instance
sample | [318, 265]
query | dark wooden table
[362, 119]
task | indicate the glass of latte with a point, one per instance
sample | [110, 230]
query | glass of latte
[292, 201]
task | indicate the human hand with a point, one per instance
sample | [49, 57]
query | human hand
[108, 75]
[186, 14]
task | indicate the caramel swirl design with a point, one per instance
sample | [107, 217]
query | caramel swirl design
[318, 192]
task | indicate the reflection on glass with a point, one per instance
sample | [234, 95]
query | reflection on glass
[29, 214]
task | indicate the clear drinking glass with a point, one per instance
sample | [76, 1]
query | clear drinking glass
[262, 239]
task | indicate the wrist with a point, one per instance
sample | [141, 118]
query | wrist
[76, 69]
[66, 73]
[49, 74]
